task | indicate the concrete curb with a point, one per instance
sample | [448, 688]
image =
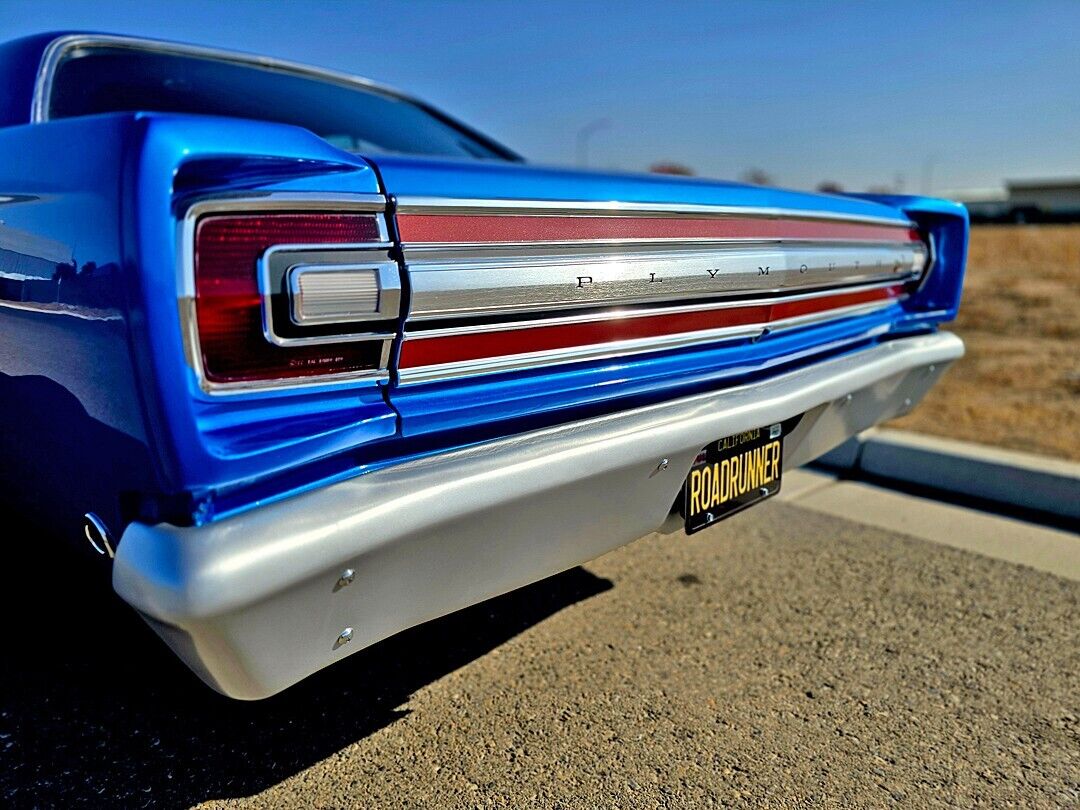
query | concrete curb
[1003, 477]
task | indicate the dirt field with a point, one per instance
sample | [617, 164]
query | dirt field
[1019, 385]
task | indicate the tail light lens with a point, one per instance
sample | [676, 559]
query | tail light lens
[229, 305]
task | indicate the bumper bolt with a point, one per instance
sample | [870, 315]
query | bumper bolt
[344, 637]
[346, 578]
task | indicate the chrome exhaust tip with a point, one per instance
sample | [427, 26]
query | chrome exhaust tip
[97, 534]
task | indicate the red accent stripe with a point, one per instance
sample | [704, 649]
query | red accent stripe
[500, 342]
[419, 228]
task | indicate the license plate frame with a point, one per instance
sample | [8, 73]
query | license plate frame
[733, 474]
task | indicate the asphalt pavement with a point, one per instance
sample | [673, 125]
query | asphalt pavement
[788, 657]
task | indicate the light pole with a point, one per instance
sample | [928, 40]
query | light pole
[928, 174]
[583, 136]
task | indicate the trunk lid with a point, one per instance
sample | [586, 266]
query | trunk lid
[535, 290]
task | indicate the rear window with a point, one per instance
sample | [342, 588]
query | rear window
[105, 79]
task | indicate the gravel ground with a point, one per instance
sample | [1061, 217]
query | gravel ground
[783, 659]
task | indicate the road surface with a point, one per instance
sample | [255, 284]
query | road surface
[786, 658]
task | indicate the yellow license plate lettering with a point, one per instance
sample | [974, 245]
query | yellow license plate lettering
[732, 475]
[695, 491]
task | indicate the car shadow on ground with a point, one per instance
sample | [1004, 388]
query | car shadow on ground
[95, 710]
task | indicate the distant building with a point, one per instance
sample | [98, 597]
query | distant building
[1023, 201]
[1052, 198]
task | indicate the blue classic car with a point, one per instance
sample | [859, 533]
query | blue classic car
[312, 362]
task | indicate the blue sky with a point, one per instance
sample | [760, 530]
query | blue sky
[946, 94]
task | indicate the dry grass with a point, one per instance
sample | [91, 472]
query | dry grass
[1019, 385]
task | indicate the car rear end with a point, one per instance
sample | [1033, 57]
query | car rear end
[382, 388]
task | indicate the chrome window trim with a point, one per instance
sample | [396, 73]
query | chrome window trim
[617, 349]
[255, 204]
[509, 207]
[59, 48]
[54, 53]
[644, 312]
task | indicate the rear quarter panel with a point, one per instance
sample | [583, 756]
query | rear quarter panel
[213, 441]
[74, 434]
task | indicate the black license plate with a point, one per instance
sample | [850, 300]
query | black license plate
[732, 474]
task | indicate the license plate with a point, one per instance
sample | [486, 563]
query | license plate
[731, 474]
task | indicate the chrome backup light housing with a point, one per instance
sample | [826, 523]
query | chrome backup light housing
[360, 284]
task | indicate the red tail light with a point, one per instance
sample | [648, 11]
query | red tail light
[229, 304]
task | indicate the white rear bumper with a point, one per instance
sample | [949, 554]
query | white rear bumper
[255, 603]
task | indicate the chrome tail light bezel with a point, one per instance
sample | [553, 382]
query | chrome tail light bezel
[383, 329]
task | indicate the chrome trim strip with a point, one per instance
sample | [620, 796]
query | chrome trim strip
[641, 312]
[330, 202]
[260, 203]
[422, 251]
[455, 284]
[451, 205]
[615, 349]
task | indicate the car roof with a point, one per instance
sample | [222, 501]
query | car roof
[27, 66]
